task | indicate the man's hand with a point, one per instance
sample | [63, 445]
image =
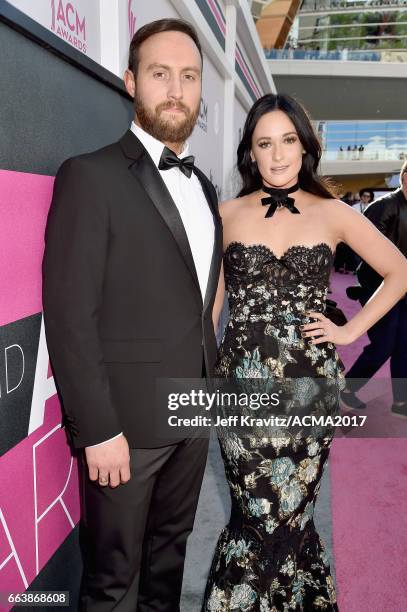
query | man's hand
[109, 463]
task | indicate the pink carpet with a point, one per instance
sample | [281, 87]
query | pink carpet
[369, 502]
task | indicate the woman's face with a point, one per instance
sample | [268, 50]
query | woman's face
[277, 150]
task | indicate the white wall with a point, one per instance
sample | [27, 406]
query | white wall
[75, 21]
[133, 14]
[207, 138]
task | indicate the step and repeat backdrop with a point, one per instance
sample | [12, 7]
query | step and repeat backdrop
[50, 110]
[61, 96]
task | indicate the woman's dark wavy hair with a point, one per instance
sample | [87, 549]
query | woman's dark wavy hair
[308, 178]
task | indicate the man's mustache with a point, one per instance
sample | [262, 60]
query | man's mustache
[171, 105]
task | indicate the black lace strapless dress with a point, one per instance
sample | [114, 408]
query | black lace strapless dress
[269, 558]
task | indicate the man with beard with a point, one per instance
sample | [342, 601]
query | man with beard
[132, 259]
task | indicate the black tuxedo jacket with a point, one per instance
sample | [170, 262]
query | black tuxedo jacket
[389, 215]
[121, 297]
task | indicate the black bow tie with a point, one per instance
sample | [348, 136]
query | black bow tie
[170, 160]
[278, 198]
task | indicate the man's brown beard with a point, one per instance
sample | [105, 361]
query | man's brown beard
[163, 130]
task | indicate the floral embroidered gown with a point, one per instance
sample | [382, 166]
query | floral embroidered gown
[269, 558]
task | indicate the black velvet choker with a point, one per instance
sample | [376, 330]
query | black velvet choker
[279, 198]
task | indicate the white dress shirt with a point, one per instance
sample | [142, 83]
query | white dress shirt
[192, 206]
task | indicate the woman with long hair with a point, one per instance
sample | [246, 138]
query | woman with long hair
[280, 236]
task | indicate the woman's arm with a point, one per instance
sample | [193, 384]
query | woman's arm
[382, 255]
[219, 299]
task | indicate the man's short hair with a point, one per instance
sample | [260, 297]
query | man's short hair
[157, 27]
[369, 191]
[403, 171]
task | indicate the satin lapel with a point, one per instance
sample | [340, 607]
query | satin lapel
[217, 243]
[144, 170]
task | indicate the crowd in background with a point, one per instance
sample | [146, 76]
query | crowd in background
[346, 260]
[387, 337]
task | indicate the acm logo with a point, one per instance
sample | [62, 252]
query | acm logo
[203, 116]
[131, 17]
[67, 23]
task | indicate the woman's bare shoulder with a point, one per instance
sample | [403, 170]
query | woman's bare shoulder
[332, 206]
[228, 207]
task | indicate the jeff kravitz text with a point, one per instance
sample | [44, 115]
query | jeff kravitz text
[247, 401]
[280, 421]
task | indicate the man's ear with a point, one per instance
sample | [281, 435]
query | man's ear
[130, 83]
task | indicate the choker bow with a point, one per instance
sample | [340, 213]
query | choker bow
[279, 198]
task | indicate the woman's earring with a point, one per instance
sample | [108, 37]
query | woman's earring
[254, 165]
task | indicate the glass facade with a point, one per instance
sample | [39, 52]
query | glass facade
[363, 140]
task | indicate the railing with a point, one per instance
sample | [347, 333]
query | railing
[366, 155]
[352, 55]
[310, 6]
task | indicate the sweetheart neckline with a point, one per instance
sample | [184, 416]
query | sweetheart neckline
[290, 248]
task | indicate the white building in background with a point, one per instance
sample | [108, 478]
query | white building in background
[346, 60]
